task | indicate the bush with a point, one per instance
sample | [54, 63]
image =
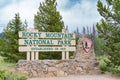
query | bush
[2, 75]
[5, 75]
[103, 63]
[106, 65]
[115, 69]
[1, 59]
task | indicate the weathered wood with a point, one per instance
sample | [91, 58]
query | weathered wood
[33, 42]
[23, 34]
[45, 49]
[45, 42]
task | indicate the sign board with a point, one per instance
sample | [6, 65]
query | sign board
[45, 42]
[46, 49]
[46, 38]
[33, 41]
[23, 34]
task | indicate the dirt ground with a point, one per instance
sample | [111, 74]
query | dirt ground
[82, 77]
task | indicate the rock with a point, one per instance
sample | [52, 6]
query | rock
[34, 73]
[86, 59]
[60, 73]
[79, 69]
[52, 69]
[51, 74]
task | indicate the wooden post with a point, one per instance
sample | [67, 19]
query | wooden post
[36, 54]
[63, 52]
[74, 36]
[32, 56]
[67, 52]
[63, 55]
[28, 55]
[67, 55]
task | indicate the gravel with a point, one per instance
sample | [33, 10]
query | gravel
[81, 77]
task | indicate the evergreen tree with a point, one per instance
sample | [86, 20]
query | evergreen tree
[10, 39]
[77, 33]
[0, 35]
[109, 29]
[25, 25]
[48, 18]
[94, 36]
[84, 30]
[88, 31]
[1, 43]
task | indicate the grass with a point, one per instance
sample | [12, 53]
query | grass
[7, 72]
[6, 65]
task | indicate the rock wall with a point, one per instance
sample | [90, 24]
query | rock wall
[52, 68]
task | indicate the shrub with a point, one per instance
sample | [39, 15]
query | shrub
[115, 69]
[103, 65]
[1, 59]
[106, 65]
[2, 75]
[5, 75]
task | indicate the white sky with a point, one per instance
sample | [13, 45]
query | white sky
[75, 13]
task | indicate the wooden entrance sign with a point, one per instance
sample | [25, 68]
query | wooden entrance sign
[33, 42]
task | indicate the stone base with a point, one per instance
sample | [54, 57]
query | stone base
[53, 68]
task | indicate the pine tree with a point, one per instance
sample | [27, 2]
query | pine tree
[77, 33]
[10, 39]
[48, 18]
[84, 30]
[88, 31]
[94, 36]
[109, 29]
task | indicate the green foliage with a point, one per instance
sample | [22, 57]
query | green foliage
[5, 65]
[48, 19]
[2, 75]
[1, 59]
[115, 69]
[99, 47]
[109, 30]
[5, 75]
[1, 45]
[10, 39]
[103, 63]
[50, 55]
[78, 35]
[1, 35]
[106, 65]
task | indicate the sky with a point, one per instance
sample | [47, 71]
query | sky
[75, 13]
